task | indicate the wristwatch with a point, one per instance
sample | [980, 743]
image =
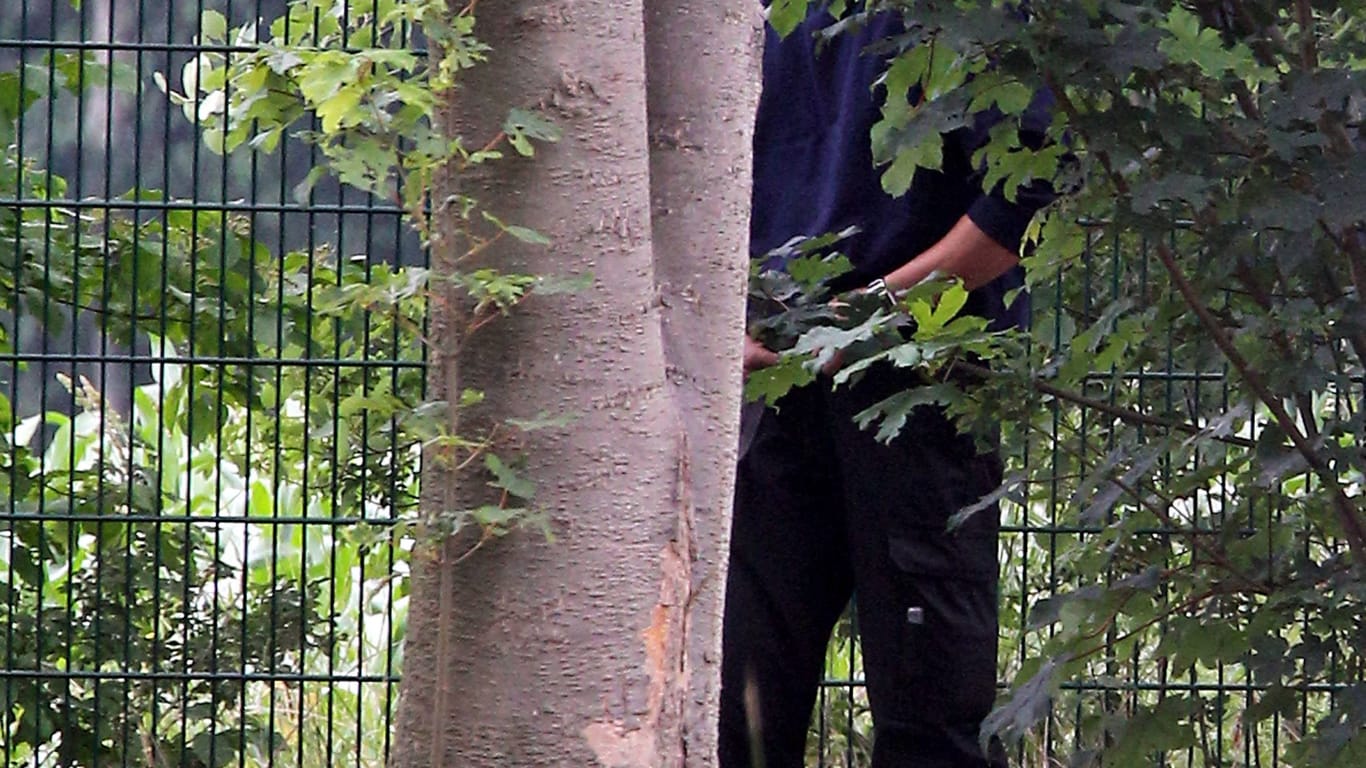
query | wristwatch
[880, 288]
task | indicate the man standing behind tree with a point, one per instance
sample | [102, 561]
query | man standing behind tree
[822, 510]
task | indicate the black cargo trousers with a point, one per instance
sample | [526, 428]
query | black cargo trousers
[823, 511]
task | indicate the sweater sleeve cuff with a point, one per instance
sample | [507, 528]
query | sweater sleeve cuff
[1001, 220]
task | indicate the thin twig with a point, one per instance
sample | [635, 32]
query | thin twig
[1309, 54]
[1119, 412]
[1161, 616]
[1217, 555]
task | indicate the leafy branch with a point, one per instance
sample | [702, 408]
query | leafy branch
[1209, 246]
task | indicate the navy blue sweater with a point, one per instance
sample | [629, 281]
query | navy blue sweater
[814, 173]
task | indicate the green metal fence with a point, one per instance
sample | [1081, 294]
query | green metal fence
[200, 454]
[198, 467]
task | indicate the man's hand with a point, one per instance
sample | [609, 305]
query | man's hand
[757, 356]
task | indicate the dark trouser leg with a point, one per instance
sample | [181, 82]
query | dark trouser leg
[788, 582]
[926, 598]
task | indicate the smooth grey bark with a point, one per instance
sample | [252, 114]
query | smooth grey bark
[702, 71]
[599, 647]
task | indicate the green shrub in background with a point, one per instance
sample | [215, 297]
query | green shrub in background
[181, 582]
[147, 582]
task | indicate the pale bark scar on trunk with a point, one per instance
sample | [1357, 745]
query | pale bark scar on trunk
[660, 739]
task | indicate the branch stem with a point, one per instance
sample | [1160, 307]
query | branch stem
[1353, 528]
[1119, 412]
[1309, 54]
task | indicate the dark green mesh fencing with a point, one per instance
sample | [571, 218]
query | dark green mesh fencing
[197, 455]
[202, 367]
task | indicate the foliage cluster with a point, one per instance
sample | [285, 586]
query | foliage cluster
[1185, 415]
[363, 81]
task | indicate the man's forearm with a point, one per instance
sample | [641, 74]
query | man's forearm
[965, 252]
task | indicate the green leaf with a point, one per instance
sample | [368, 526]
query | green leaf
[507, 478]
[893, 412]
[527, 235]
[1030, 702]
[786, 15]
[1164, 727]
[928, 154]
[524, 126]
[15, 99]
[213, 26]
[814, 271]
[340, 109]
[498, 519]
[1203, 46]
[950, 303]
[326, 74]
[771, 383]
[1013, 97]
[1008, 489]
[303, 190]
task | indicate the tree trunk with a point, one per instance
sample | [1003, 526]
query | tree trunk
[599, 647]
[702, 65]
